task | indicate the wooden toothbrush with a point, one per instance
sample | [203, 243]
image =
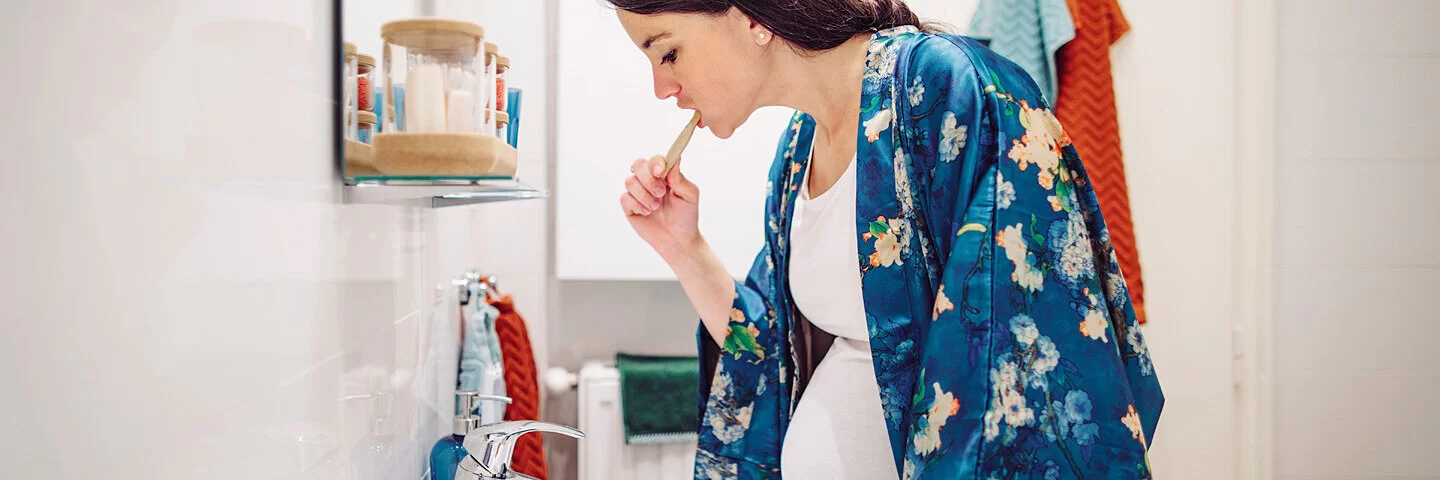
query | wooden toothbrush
[673, 157]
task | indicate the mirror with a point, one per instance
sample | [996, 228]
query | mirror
[424, 96]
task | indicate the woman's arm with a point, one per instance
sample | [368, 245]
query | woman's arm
[707, 283]
[1025, 255]
[664, 212]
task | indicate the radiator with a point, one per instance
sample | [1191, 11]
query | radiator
[604, 454]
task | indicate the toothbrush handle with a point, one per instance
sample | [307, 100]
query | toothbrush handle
[672, 158]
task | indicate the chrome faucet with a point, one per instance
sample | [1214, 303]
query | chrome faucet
[490, 447]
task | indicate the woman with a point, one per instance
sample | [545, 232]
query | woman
[932, 241]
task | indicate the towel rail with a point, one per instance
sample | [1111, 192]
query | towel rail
[482, 285]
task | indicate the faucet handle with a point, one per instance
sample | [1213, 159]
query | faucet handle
[469, 399]
[491, 446]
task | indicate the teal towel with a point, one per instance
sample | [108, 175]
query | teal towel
[657, 398]
[1028, 32]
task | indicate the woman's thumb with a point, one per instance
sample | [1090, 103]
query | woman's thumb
[681, 185]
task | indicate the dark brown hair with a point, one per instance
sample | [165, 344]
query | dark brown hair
[808, 24]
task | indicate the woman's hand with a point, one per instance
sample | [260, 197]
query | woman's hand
[663, 211]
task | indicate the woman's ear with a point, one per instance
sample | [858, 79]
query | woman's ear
[757, 32]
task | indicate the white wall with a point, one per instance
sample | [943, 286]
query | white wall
[1175, 85]
[183, 294]
[1355, 265]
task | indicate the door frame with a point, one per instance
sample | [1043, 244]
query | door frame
[1256, 55]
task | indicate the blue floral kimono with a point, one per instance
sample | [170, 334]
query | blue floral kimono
[1004, 341]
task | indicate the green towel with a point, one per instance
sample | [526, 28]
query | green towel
[657, 398]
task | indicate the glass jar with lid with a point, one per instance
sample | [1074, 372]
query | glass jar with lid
[492, 62]
[349, 70]
[502, 66]
[502, 126]
[366, 131]
[436, 69]
[364, 76]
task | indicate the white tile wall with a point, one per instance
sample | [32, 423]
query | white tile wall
[1370, 212]
[1372, 425]
[605, 317]
[1333, 306]
[183, 294]
[1355, 228]
[1375, 27]
[1359, 106]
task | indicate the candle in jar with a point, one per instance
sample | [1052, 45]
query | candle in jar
[425, 99]
[460, 111]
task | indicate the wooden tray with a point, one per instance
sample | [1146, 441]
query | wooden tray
[443, 154]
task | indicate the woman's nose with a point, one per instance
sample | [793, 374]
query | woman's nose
[665, 86]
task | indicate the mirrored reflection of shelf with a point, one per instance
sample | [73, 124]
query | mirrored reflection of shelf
[436, 192]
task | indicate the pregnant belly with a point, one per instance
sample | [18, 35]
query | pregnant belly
[838, 431]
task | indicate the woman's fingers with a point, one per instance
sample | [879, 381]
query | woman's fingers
[645, 189]
[632, 207]
[641, 195]
[657, 166]
[644, 173]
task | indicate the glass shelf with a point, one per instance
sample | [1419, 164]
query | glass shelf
[437, 192]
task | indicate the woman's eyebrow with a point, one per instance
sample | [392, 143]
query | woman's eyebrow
[648, 41]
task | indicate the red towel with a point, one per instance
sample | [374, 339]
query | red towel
[521, 385]
[1086, 105]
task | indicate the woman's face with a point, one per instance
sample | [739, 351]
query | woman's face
[709, 63]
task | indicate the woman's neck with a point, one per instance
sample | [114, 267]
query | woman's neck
[826, 85]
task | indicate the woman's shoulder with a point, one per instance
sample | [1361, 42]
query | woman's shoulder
[933, 53]
[948, 56]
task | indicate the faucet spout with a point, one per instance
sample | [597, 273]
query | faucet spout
[491, 446]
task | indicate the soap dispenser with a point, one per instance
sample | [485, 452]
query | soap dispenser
[381, 455]
[449, 451]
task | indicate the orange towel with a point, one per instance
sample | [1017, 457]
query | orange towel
[1086, 105]
[521, 385]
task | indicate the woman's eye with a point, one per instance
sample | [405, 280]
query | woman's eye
[668, 58]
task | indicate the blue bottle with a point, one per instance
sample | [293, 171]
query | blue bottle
[449, 451]
[512, 106]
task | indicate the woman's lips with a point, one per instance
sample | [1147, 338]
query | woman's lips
[700, 123]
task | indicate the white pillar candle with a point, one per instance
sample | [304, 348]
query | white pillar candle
[425, 99]
[460, 111]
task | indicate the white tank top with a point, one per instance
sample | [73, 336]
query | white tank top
[838, 431]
